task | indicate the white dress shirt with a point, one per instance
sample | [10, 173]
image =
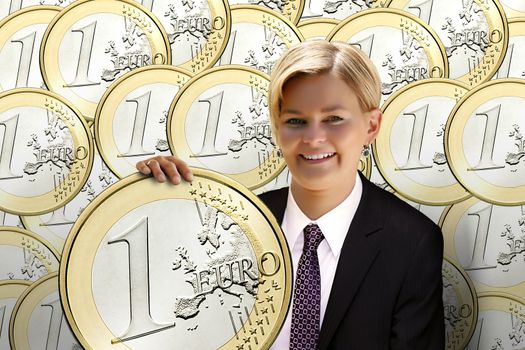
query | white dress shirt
[334, 225]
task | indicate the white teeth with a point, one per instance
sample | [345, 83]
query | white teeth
[317, 156]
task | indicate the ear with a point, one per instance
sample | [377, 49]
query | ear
[374, 124]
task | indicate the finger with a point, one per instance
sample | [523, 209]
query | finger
[185, 170]
[156, 170]
[143, 167]
[171, 171]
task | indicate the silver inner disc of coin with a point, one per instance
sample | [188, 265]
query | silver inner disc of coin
[37, 151]
[19, 59]
[497, 330]
[177, 257]
[259, 50]
[187, 23]
[420, 127]
[461, 26]
[98, 49]
[500, 121]
[48, 326]
[139, 124]
[239, 115]
[400, 60]
[489, 244]
[6, 308]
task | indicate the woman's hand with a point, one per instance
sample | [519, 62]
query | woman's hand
[163, 167]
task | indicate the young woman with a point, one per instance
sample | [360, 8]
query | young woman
[367, 265]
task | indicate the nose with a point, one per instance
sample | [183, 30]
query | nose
[314, 133]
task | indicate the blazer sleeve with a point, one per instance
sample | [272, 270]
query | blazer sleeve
[418, 320]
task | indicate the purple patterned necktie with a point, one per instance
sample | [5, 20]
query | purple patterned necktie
[306, 310]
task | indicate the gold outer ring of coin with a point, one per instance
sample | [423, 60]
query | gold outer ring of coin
[25, 17]
[457, 161]
[20, 317]
[192, 89]
[110, 101]
[19, 237]
[49, 64]
[383, 155]
[427, 37]
[317, 27]
[37, 205]
[480, 74]
[471, 298]
[448, 222]
[79, 252]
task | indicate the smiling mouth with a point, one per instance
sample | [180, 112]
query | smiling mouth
[319, 156]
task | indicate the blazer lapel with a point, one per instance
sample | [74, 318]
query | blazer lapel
[357, 255]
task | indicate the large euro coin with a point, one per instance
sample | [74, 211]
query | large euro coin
[7, 7]
[46, 151]
[20, 37]
[338, 9]
[219, 120]
[513, 65]
[203, 265]
[412, 52]
[198, 30]
[483, 141]
[487, 240]
[56, 225]
[409, 150]
[259, 37]
[10, 290]
[25, 256]
[37, 319]
[500, 322]
[92, 42]
[460, 304]
[131, 118]
[475, 34]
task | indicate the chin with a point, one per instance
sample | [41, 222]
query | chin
[318, 183]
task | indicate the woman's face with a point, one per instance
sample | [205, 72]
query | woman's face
[322, 130]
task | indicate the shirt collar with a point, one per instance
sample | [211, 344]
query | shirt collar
[334, 224]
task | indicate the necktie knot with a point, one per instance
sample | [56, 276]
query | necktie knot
[312, 237]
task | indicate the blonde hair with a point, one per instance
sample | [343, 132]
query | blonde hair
[320, 56]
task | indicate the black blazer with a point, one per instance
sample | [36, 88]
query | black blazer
[387, 290]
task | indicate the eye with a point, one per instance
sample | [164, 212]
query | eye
[295, 121]
[333, 118]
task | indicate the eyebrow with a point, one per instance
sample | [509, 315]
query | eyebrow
[324, 110]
